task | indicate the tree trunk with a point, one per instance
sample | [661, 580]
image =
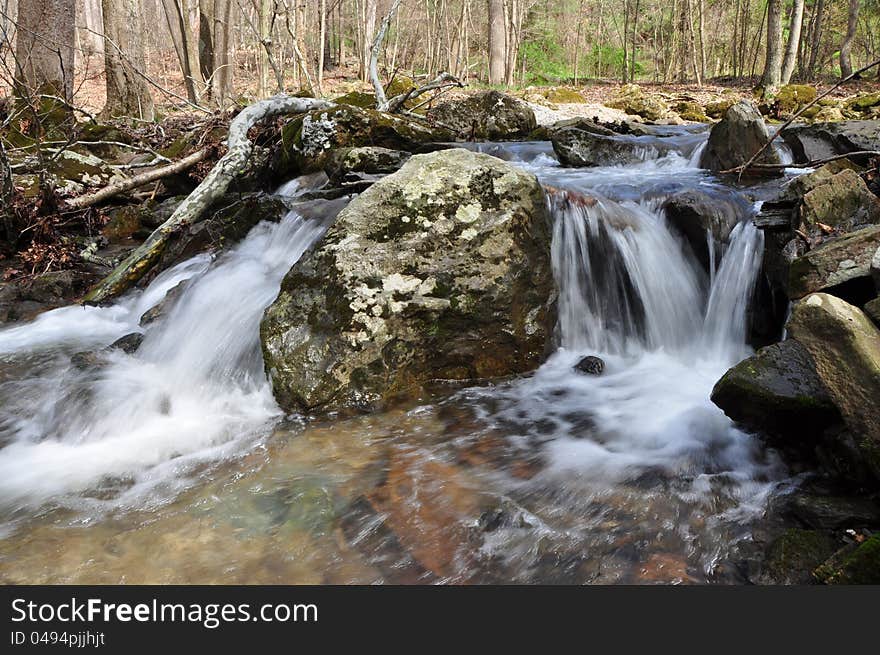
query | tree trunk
[816, 37]
[6, 195]
[794, 41]
[846, 47]
[188, 55]
[265, 17]
[497, 42]
[368, 28]
[221, 31]
[127, 92]
[45, 48]
[772, 76]
[322, 46]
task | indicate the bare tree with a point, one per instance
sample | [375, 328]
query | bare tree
[127, 92]
[852, 23]
[794, 40]
[497, 42]
[45, 48]
[772, 76]
[178, 13]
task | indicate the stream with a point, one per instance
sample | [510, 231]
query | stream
[174, 464]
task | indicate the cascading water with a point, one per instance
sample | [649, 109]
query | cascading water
[597, 474]
[131, 427]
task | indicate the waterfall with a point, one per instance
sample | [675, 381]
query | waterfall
[134, 426]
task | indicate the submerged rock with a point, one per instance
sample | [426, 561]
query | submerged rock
[694, 214]
[845, 346]
[590, 365]
[440, 270]
[778, 393]
[487, 115]
[739, 135]
[822, 140]
[585, 143]
[842, 261]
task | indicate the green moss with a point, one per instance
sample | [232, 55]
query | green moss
[863, 102]
[859, 566]
[691, 111]
[794, 556]
[794, 96]
[357, 99]
[716, 109]
[563, 95]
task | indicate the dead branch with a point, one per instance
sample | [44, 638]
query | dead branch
[381, 100]
[214, 185]
[444, 81]
[810, 164]
[797, 114]
[130, 183]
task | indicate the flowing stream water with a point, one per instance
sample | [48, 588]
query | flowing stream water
[174, 464]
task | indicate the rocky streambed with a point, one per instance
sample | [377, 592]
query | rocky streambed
[583, 357]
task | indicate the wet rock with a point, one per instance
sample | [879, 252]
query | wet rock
[777, 393]
[845, 347]
[792, 558]
[841, 266]
[828, 512]
[835, 195]
[872, 310]
[584, 143]
[590, 365]
[693, 213]
[857, 564]
[129, 343]
[739, 135]
[371, 160]
[489, 115]
[23, 299]
[95, 359]
[308, 140]
[439, 271]
[822, 140]
[632, 99]
[162, 308]
[229, 221]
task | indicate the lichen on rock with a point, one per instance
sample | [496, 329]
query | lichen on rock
[439, 271]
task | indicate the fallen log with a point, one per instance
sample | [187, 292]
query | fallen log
[136, 181]
[193, 208]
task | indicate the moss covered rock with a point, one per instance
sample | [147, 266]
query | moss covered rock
[691, 111]
[440, 270]
[778, 393]
[717, 108]
[632, 99]
[307, 140]
[856, 565]
[836, 195]
[370, 160]
[792, 97]
[845, 346]
[792, 558]
[486, 115]
[563, 95]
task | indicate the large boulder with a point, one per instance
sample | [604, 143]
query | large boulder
[307, 140]
[822, 140]
[845, 346]
[348, 164]
[486, 115]
[778, 393]
[842, 261]
[875, 268]
[736, 138]
[438, 271]
[632, 99]
[583, 142]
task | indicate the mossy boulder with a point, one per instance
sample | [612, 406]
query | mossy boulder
[859, 564]
[438, 271]
[792, 97]
[734, 140]
[632, 99]
[717, 108]
[845, 345]
[691, 111]
[845, 260]
[486, 115]
[777, 393]
[306, 141]
[562, 96]
[360, 99]
[863, 102]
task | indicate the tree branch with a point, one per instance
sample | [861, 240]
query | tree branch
[214, 185]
